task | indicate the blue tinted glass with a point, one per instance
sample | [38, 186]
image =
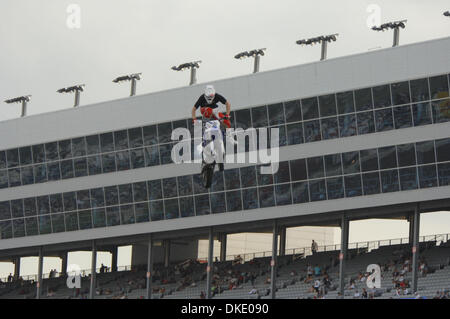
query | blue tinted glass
[315, 167]
[137, 158]
[347, 125]
[293, 111]
[441, 111]
[121, 140]
[310, 108]
[419, 90]
[150, 135]
[333, 165]
[345, 102]
[335, 188]
[444, 174]
[283, 194]
[80, 166]
[383, 120]
[300, 192]
[171, 209]
[363, 99]
[234, 201]
[402, 117]
[250, 198]
[427, 176]
[185, 185]
[156, 210]
[202, 205]
[123, 160]
[276, 114]
[94, 165]
[422, 114]
[112, 216]
[329, 128]
[248, 176]
[327, 105]
[187, 206]
[295, 133]
[170, 187]
[259, 116]
[218, 203]
[389, 181]
[266, 196]
[408, 178]
[312, 131]
[381, 96]
[154, 189]
[400, 93]
[366, 123]
[317, 190]
[353, 185]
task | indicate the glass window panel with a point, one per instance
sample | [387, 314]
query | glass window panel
[85, 218]
[5, 210]
[166, 154]
[441, 111]
[25, 156]
[317, 190]
[154, 189]
[402, 117]
[112, 216]
[121, 140]
[218, 182]
[293, 111]
[107, 142]
[400, 93]
[79, 146]
[94, 165]
[234, 201]
[427, 176]
[283, 194]
[444, 174]
[127, 214]
[111, 195]
[425, 152]
[29, 205]
[298, 170]
[99, 217]
[243, 119]
[142, 212]
[248, 176]
[126, 193]
[58, 224]
[218, 203]
[312, 131]
[389, 181]
[56, 203]
[150, 135]
[156, 211]
[6, 230]
[327, 105]
[366, 123]
[71, 221]
[19, 227]
[140, 192]
[300, 192]
[170, 187]
[259, 116]
[383, 120]
[381, 96]
[109, 163]
[443, 150]
[422, 114]
[369, 160]
[350, 162]
[67, 169]
[294, 133]
[80, 167]
[38, 153]
[310, 108]
[135, 136]
[83, 199]
[406, 155]
[17, 208]
[232, 180]
[388, 157]
[13, 157]
[14, 177]
[2, 159]
[202, 205]
[51, 151]
[40, 173]
[198, 184]
[70, 202]
[276, 114]
[363, 99]
[353, 185]
[137, 158]
[97, 197]
[53, 170]
[345, 102]
[283, 174]
[282, 138]
[185, 185]
[333, 165]
[335, 188]
[419, 90]
[408, 178]
[43, 205]
[123, 160]
[263, 179]
[439, 87]
[31, 226]
[45, 225]
[187, 206]
[165, 132]
[249, 198]
[347, 125]
[3, 179]
[266, 196]
[330, 128]
[93, 144]
[151, 156]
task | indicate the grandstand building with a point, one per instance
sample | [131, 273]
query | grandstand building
[361, 136]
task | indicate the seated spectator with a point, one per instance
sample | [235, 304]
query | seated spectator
[317, 271]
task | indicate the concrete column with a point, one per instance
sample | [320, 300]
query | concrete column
[166, 253]
[39, 279]
[223, 247]
[282, 241]
[93, 270]
[149, 267]
[209, 268]
[273, 262]
[17, 268]
[411, 230]
[343, 254]
[64, 259]
[114, 253]
[415, 248]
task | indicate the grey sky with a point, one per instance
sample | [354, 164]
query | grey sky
[40, 54]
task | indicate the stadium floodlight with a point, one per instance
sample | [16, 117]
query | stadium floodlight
[133, 78]
[71, 89]
[21, 99]
[256, 54]
[193, 66]
[447, 13]
[323, 39]
[396, 25]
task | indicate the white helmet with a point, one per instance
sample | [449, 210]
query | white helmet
[210, 93]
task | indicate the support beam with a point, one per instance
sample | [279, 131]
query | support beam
[93, 270]
[114, 253]
[324, 50]
[223, 247]
[64, 258]
[16, 268]
[149, 268]
[39, 279]
[273, 262]
[415, 248]
[343, 254]
[209, 268]
[283, 241]
[166, 253]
